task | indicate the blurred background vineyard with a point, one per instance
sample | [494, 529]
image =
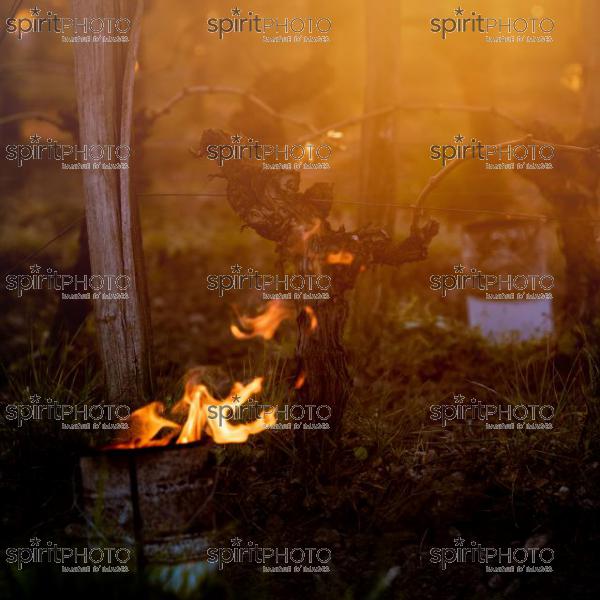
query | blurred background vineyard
[400, 479]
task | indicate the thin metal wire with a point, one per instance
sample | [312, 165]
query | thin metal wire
[499, 213]
[496, 213]
[39, 250]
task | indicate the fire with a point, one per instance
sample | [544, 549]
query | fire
[312, 317]
[340, 258]
[265, 324]
[144, 424]
[203, 414]
[300, 380]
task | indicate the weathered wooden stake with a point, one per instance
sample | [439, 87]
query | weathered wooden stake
[104, 77]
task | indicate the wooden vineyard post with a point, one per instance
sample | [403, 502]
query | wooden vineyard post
[104, 79]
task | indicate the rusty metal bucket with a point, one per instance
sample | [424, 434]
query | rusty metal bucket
[158, 499]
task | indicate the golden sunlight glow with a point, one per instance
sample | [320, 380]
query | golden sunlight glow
[572, 77]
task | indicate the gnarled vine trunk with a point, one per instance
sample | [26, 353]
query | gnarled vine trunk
[271, 203]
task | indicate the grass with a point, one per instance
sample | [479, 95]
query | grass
[400, 483]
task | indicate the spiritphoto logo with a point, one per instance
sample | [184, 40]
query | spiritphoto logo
[272, 559]
[96, 559]
[495, 416]
[275, 286]
[73, 287]
[287, 29]
[84, 416]
[496, 287]
[280, 417]
[72, 30]
[273, 156]
[525, 559]
[532, 28]
[72, 156]
[517, 156]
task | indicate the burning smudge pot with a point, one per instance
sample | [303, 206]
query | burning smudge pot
[154, 490]
[157, 499]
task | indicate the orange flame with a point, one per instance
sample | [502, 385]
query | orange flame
[201, 418]
[340, 258]
[300, 380]
[144, 424]
[314, 322]
[264, 324]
